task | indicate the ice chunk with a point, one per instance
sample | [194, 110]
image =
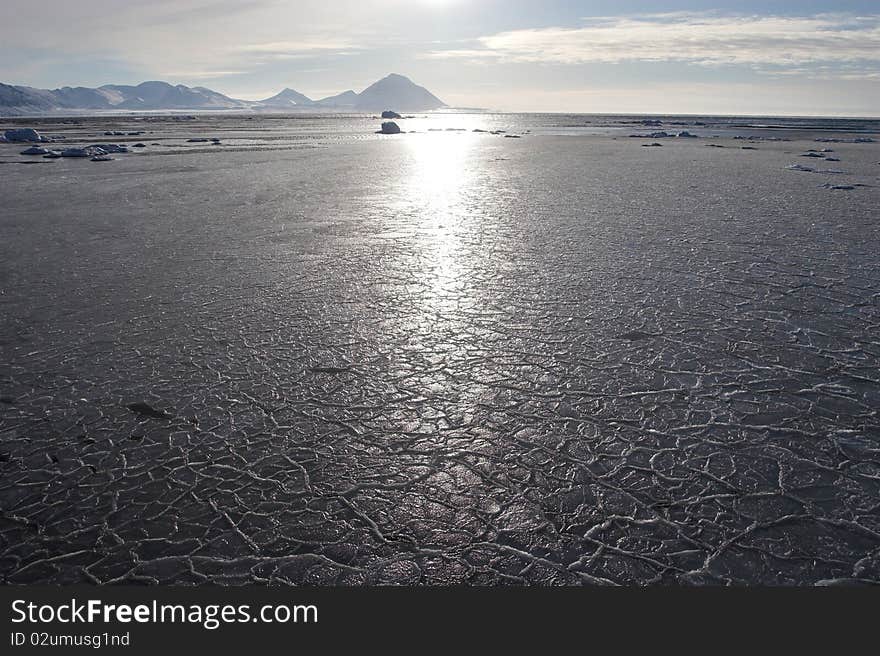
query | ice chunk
[23, 134]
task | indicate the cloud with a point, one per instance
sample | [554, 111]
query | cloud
[299, 47]
[206, 75]
[691, 38]
[182, 39]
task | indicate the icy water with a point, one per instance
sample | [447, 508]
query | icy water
[313, 354]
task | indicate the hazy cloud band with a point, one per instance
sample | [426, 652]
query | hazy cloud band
[693, 38]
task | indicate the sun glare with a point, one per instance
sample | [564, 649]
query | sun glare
[441, 178]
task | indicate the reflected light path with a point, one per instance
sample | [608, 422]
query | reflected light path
[440, 183]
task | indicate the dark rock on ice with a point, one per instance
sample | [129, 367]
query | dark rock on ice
[390, 128]
[684, 134]
[635, 336]
[660, 145]
[330, 370]
[35, 150]
[389, 114]
[102, 158]
[146, 410]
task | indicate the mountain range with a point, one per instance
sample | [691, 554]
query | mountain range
[394, 92]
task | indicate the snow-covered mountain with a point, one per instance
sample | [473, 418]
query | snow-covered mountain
[398, 93]
[25, 99]
[344, 100]
[288, 98]
[161, 95]
[145, 96]
[394, 92]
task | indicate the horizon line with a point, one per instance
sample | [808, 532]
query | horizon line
[445, 110]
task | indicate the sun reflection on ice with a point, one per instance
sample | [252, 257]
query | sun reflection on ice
[440, 182]
[435, 209]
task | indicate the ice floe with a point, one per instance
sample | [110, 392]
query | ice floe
[110, 148]
[88, 151]
[24, 135]
[36, 150]
[859, 140]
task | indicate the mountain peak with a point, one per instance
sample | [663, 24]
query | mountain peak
[286, 98]
[345, 100]
[399, 93]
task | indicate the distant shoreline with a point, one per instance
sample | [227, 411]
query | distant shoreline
[312, 113]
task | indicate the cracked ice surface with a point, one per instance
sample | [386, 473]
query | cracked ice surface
[440, 360]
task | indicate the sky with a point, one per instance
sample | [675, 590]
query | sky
[809, 57]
